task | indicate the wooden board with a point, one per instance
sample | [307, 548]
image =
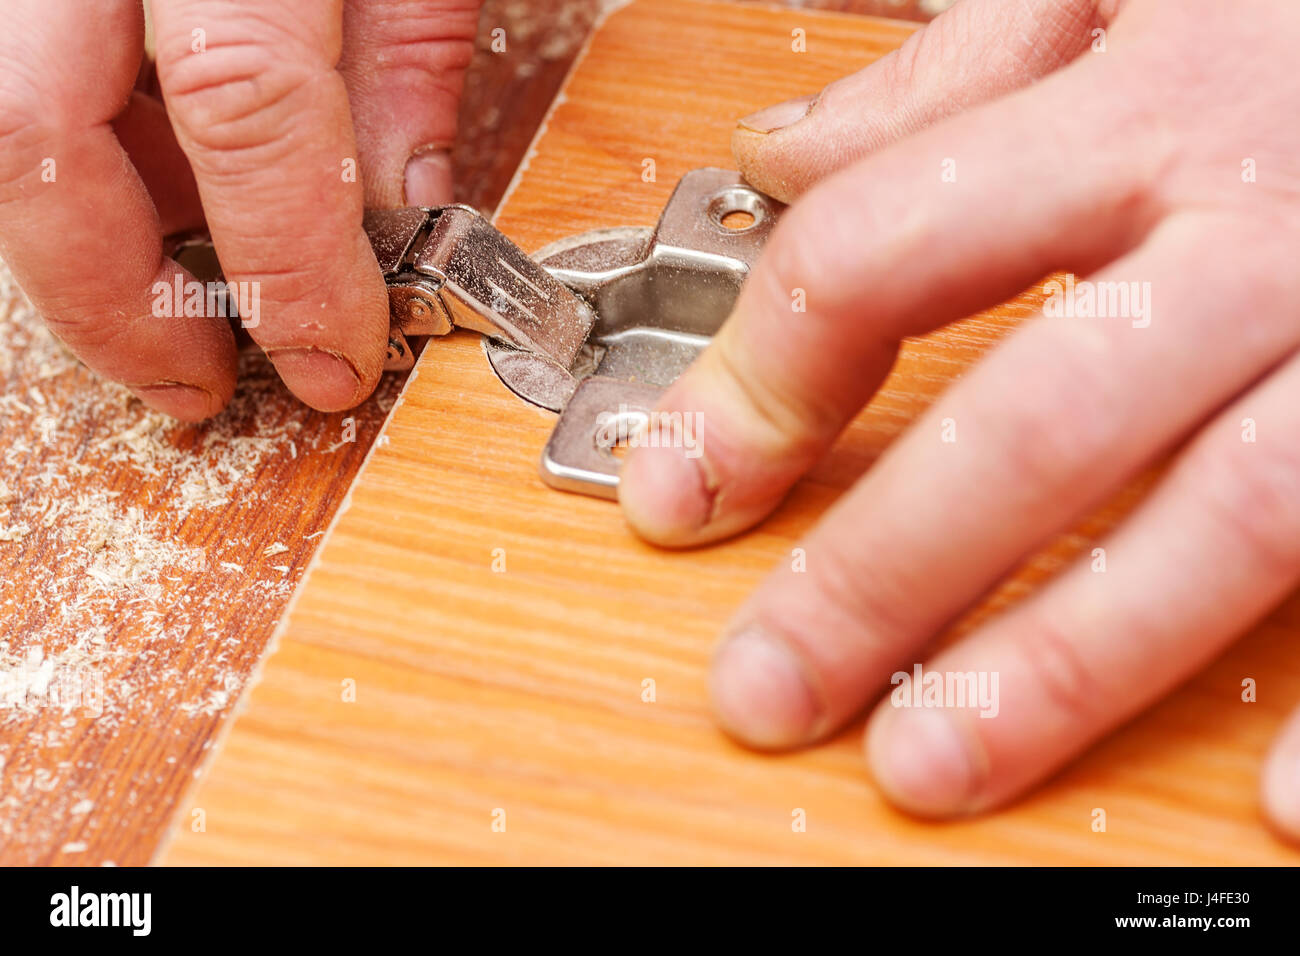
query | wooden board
[470, 647]
[135, 582]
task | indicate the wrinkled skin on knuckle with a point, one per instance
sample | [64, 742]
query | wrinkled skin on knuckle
[799, 259]
[404, 65]
[1062, 29]
[250, 80]
[1065, 675]
[249, 102]
[400, 36]
[1214, 86]
[27, 131]
[1253, 492]
[284, 286]
[889, 609]
[818, 244]
[776, 428]
[41, 100]
[77, 321]
[900, 73]
[1065, 29]
[1051, 442]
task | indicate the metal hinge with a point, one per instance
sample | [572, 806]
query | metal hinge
[593, 327]
[659, 295]
[450, 268]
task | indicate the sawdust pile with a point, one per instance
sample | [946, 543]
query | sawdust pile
[72, 458]
[129, 561]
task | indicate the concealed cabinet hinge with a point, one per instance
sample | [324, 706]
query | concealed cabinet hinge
[593, 327]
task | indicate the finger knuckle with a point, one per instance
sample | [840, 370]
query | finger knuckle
[74, 322]
[402, 35]
[776, 417]
[815, 256]
[238, 95]
[1252, 490]
[902, 70]
[817, 238]
[1057, 665]
[880, 600]
[284, 284]
[26, 126]
[1069, 424]
[1059, 32]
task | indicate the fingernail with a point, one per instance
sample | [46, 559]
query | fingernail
[664, 494]
[189, 403]
[428, 178]
[780, 116]
[923, 761]
[760, 692]
[324, 381]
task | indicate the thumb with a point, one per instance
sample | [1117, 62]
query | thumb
[404, 64]
[973, 53]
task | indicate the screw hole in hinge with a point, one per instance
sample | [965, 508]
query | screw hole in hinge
[737, 209]
[615, 430]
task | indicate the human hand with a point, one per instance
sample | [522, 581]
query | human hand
[292, 116]
[1142, 142]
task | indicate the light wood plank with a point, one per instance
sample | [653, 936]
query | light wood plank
[521, 691]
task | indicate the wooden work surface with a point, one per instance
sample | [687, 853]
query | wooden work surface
[470, 647]
[144, 564]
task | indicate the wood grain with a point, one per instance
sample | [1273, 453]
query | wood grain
[149, 598]
[98, 483]
[515, 691]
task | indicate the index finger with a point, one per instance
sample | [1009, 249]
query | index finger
[77, 225]
[263, 116]
[940, 225]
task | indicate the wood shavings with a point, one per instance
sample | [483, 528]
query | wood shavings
[111, 518]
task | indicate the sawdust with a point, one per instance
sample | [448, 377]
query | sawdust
[98, 615]
[550, 31]
[108, 514]
[111, 555]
